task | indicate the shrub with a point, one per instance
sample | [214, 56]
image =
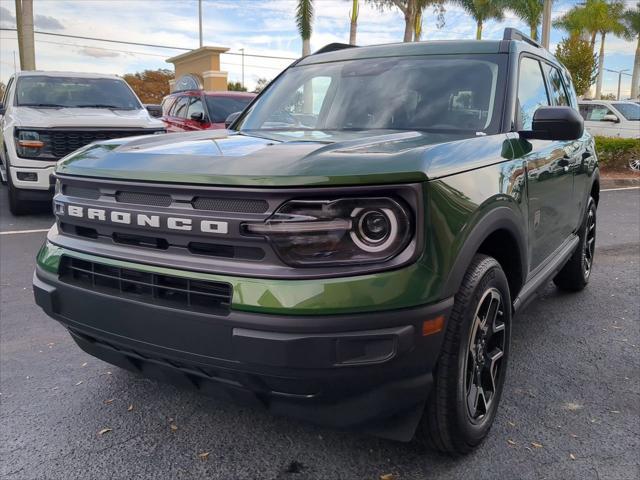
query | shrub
[615, 153]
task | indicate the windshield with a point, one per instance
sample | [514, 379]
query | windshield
[221, 107]
[43, 91]
[437, 93]
[630, 111]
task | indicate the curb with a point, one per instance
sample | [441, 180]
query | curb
[606, 183]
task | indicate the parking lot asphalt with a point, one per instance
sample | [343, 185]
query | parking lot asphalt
[570, 409]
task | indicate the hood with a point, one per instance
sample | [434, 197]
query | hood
[309, 158]
[84, 117]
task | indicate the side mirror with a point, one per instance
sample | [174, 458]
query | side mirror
[610, 118]
[555, 123]
[231, 118]
[197, 116]
[154, 110]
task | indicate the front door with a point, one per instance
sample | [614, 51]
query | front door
[549, 170]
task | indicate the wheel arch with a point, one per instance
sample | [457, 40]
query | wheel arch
[499, 234]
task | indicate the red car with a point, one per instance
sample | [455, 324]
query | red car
[201, 110]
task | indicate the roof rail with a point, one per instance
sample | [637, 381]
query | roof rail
[332, 47]
[515, 34]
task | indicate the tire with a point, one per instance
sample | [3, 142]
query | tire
[575, 275]
[457, 418]
[16, 206]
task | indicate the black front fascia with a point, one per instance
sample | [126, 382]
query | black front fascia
[143, 231]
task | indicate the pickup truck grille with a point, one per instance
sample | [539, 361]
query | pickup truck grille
[63, 142]
[158, 289]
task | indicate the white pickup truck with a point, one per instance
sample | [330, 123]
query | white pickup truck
[45, 116]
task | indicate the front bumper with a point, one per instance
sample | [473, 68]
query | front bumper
[370, 371]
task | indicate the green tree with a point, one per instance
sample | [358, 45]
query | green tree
[236, 87]
[530, 12]
[610, 23]
[151, 86]
[577, 56]
[304, 22]
[631, 22]
[483, 10]
[438, 9]
[412, 12]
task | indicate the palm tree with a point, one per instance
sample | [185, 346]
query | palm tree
[304, 21]
[421, 5]
[631, 21]
[483, 10]
[409, 9]
[529, 11]
[354, 22]
[609, 23]
[573, 23]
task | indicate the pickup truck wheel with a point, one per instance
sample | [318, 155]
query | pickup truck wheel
[470, 374]
[16, 206]
[574, 276]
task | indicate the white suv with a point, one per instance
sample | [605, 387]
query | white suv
[611, 118]
[44, 116]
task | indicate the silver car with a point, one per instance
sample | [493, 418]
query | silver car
[611, 118]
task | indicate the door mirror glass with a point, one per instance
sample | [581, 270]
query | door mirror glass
[231, 118]
[555, 123]
[610, 117]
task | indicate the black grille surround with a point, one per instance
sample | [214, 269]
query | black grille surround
[229, 252]
[60, 142]
[158, 289]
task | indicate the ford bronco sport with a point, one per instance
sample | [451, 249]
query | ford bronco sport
[352, 251]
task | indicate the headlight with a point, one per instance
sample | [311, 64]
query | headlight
[29, 144]
[337, 232]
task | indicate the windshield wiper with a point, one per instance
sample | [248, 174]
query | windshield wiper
[103, 105]
[50, 105]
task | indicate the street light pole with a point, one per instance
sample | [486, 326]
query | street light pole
[242, 50]
[200, 20]
[620, 73]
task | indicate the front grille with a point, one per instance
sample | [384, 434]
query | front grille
[141, 198]
[81, 192]
[153, 288]
[63, 142]
[230, 205]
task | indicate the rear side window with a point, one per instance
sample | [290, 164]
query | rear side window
[166, 104]
[532, 92]
[195, 106]
[558, 93]
[179, 108]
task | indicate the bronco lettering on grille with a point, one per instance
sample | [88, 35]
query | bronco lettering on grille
[154, 221]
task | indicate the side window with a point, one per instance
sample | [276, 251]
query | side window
[532, 92]
[195, 106]
[166, 105]
[571, 91]
[597, 112]
[179, 108]
[558, 93]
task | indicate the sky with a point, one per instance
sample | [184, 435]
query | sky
[260, 27]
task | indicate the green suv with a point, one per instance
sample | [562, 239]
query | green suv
[351, 251]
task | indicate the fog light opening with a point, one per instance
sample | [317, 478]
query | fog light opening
[27, 176]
